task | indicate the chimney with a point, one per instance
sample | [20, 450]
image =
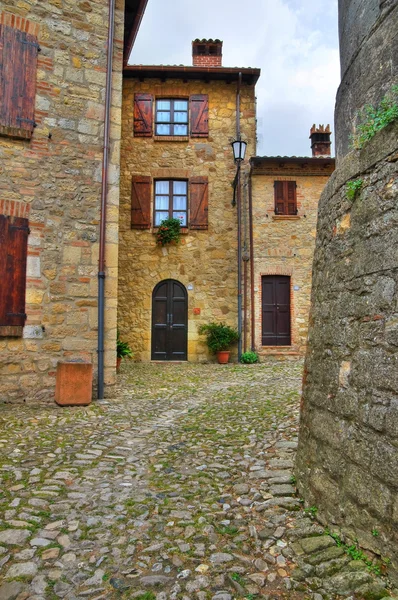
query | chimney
[207, 53]
[320, 141]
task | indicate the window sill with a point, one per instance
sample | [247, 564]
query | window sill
[171, 138]
[183, 230]
[286, 217]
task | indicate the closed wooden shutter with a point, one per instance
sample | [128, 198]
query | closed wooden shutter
[291, 198]
[285, 198]
[18, 64]
[13, 251]
[199, 202]
[143, 115]
[141, 202]
[199, 114]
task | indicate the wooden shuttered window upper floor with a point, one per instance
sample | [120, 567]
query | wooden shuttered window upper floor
[14, 233]
[170, 117]
[18, 65]
[285, 197]
[170, 198]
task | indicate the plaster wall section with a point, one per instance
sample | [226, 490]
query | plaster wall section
[205, 262]
[55, 180]
[284, 245]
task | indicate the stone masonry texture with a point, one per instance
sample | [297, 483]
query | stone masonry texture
[284, 245]
[369, 60]
[56, 177]
[205, 260]
[348, 448]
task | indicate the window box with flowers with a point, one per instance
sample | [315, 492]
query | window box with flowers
[169, 232]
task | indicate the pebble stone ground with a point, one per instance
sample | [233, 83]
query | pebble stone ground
[179, 487]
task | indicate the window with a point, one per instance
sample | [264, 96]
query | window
[285, 198]
[170, 198]
[18, 62]
[171, 201]
[171, 117]
[13, 250]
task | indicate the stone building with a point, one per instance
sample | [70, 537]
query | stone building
[348, 448]
[53, 73]
[285, 194]
[176, 161]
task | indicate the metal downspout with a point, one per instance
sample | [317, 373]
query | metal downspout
[252, 311]
[239, 209]
[104, 194]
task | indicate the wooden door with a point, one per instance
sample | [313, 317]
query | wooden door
[169, 321]
[276, 310]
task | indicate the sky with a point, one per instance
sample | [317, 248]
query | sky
[294, 42]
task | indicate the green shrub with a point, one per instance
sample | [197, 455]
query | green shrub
[249, 358]
[219, 336]
[169, 231]
[373, 118]
[352, 188]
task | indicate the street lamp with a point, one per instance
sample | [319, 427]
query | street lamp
[239, 149]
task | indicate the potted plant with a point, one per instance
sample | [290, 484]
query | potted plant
[169, 231]
[219, 338]
[122, 350]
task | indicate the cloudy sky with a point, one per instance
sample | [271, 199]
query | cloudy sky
[294, 42]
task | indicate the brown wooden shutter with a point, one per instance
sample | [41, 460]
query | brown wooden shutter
[199, 202]
[279, 198]
[13, 251]
[199, 109]
[291, 198]
[18, 64]
[141, 202]
[143, 115]
[285, 198]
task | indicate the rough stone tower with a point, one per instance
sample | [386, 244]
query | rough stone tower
[348, 450]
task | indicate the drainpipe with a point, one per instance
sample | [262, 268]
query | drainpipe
[253, 319]
[238, 206]
[104, 194]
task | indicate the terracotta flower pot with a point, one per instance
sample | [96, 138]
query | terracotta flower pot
[223, 357]
[118, 363]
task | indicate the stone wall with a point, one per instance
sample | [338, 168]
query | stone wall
[284, 245]
[348, 449]
[56, 179]
[369, 61]
[206, 261]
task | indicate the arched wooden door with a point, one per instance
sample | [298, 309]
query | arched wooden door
[169, 321]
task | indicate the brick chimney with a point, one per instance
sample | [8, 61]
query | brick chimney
[207, 53]
[320, 141]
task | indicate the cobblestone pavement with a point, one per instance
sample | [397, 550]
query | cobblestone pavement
[179, 487]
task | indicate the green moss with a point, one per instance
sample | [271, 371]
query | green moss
[372, 119]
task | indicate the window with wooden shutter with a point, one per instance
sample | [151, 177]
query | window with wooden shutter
[199, 108]
[141, 202]
[13, 251]
[199, 202]
[285, 198]
[18, 64]
[143, 115]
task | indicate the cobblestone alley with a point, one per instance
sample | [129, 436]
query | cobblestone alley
[179, 487]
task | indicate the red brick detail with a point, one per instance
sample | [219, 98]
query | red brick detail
[19, 23]
[12, 208]
[207, 61]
